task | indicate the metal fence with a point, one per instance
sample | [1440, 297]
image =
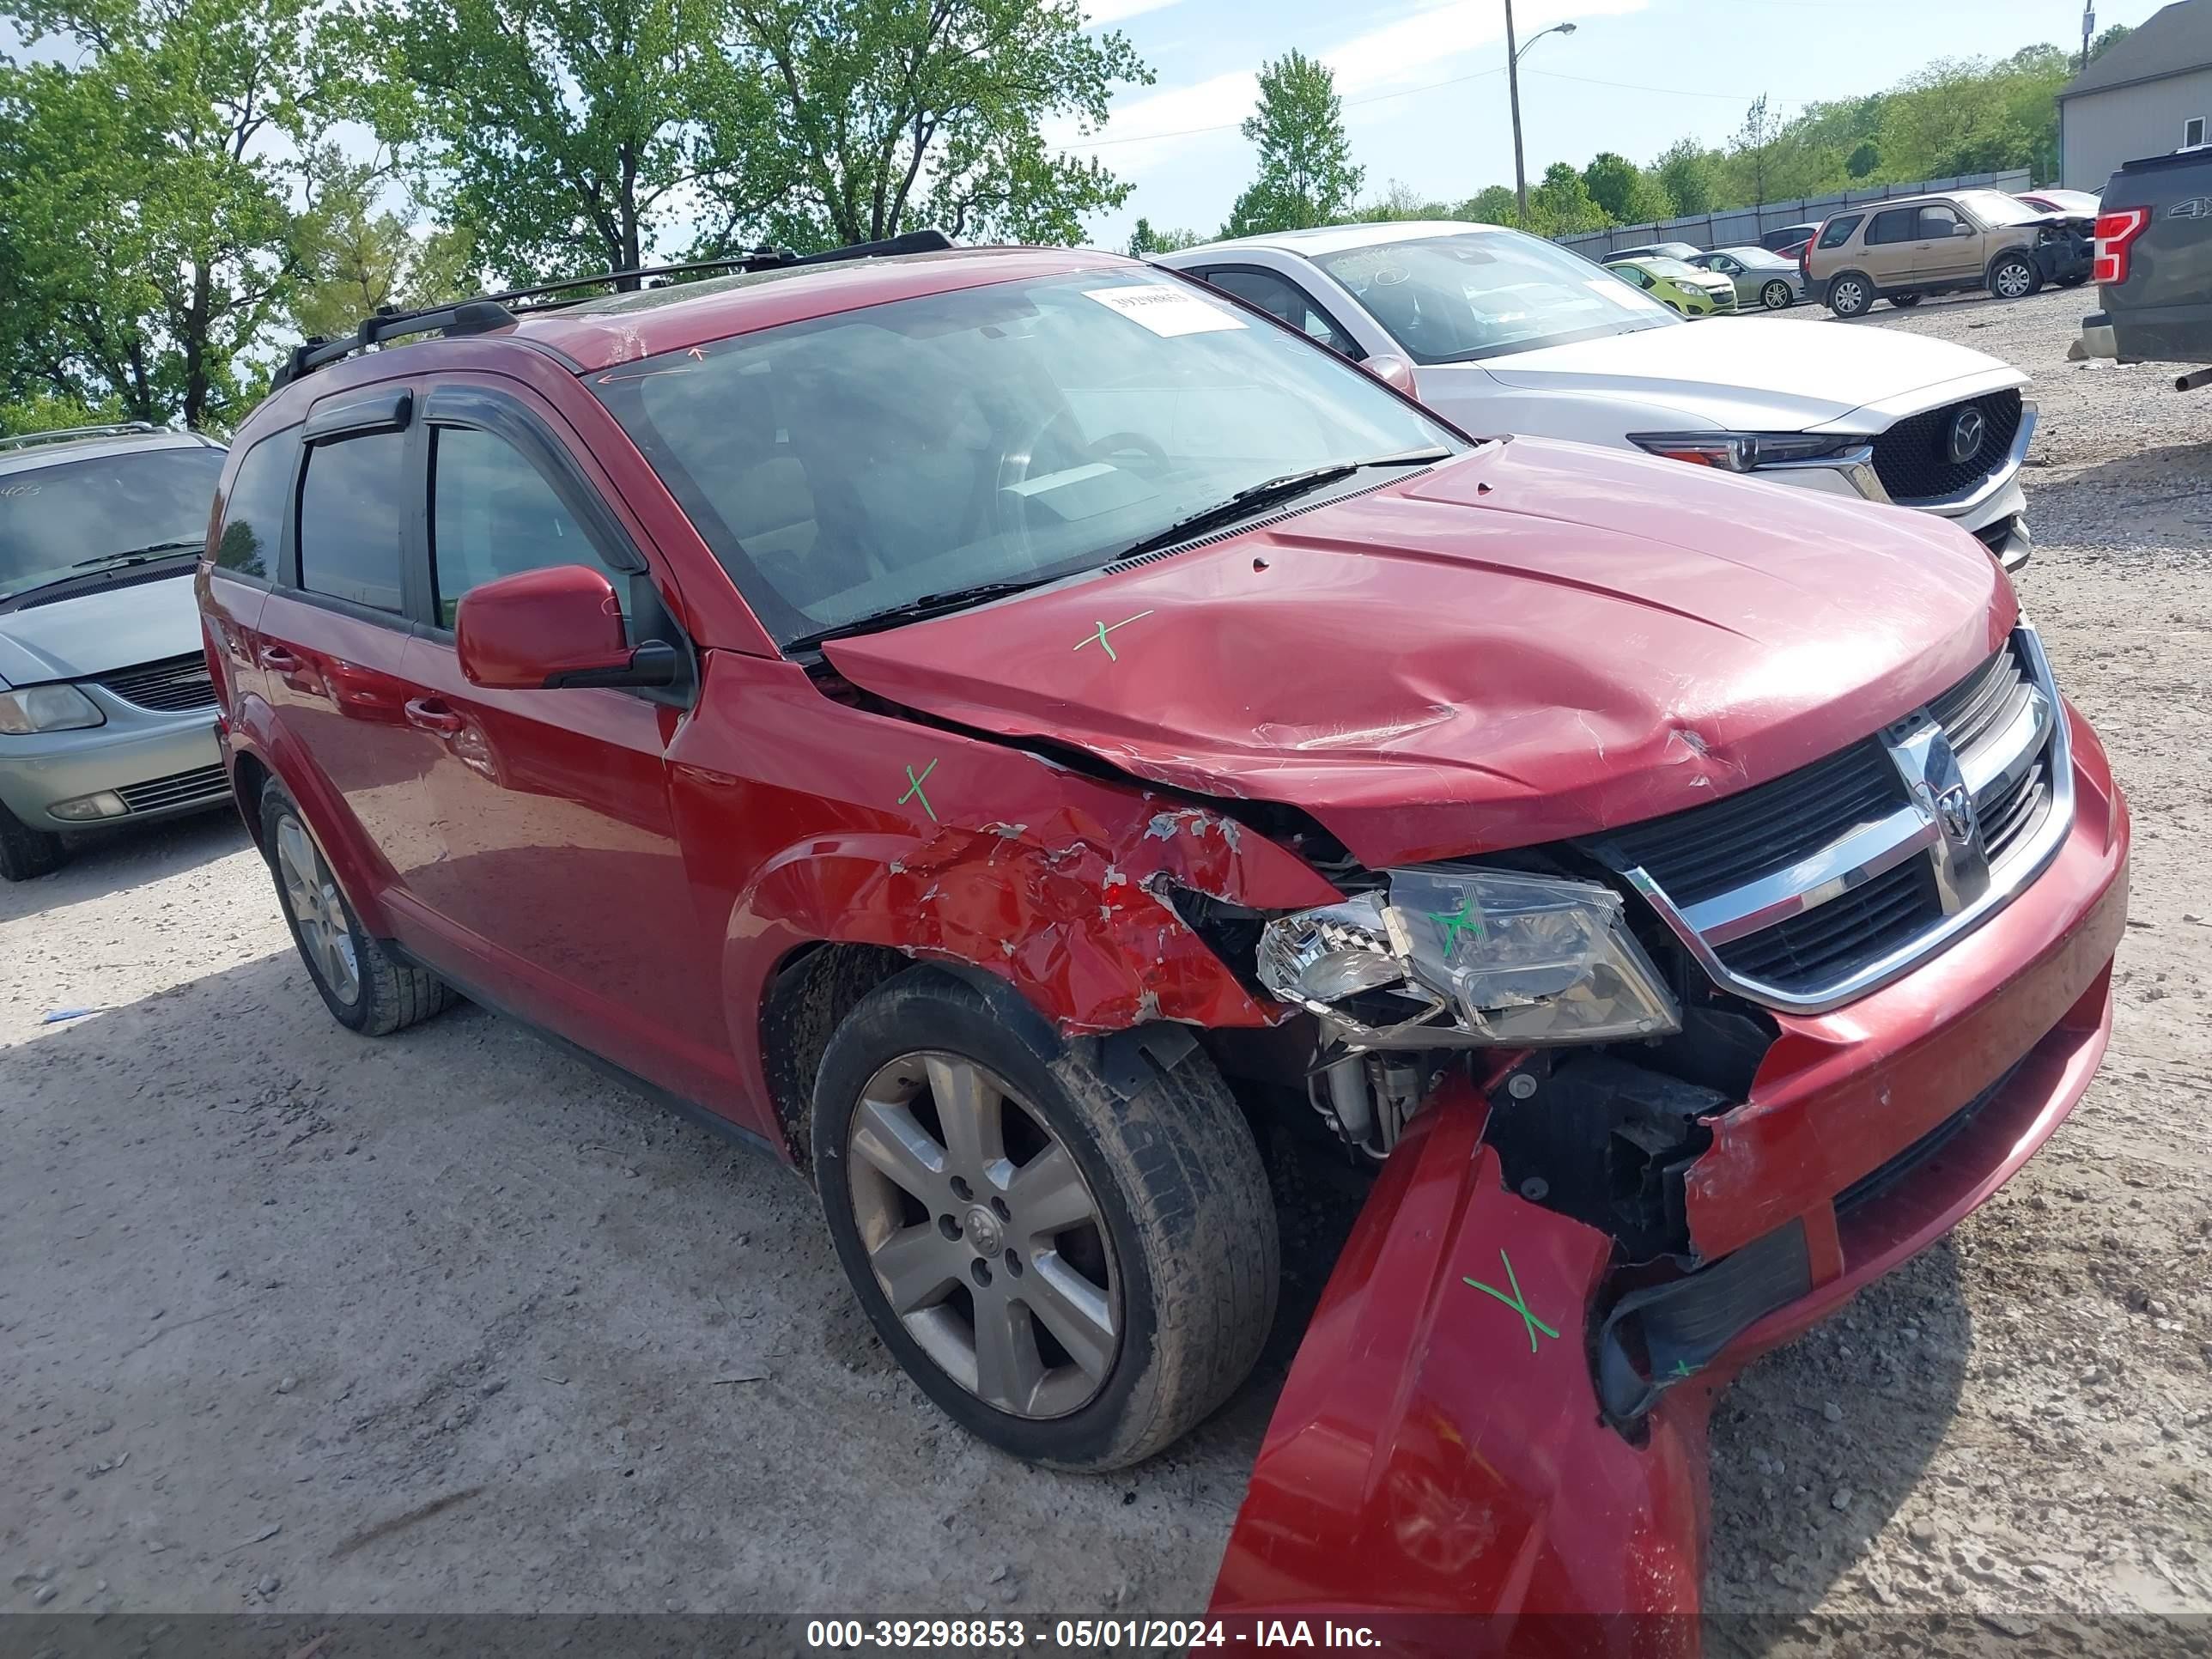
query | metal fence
[1742, 227]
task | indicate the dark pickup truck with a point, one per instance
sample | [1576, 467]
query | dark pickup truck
[2154, 265]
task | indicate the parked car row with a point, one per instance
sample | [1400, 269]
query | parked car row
[1007, 729]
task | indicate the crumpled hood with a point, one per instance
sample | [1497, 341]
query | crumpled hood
[111, 628]
[1539, 640]
[1759, 373]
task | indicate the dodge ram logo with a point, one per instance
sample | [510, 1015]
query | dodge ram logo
[1954, 812]
[1967, 430]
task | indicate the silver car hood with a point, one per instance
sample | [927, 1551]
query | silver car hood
[95, 633]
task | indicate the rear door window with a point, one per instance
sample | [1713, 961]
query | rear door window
[1839, 229]
[1893, 225]
[254, 516]
[349, 520]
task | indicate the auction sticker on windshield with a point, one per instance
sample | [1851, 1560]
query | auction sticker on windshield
[1165, 311]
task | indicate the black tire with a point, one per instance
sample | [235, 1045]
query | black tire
[1906, 302]
[1850, 293]
[2013, 277]
[387, 995]
[27, 853]
[1776, 295]
[1181, 1198]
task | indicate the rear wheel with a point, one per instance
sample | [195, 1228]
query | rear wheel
[1776, 295]
[2013, 277]
[1849, 294]
[26, 853]
[365, 988]
[1078, 1275]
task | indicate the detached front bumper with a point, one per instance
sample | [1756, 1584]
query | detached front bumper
[1441, 1454]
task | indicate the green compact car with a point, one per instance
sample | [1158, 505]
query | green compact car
[1684, 288]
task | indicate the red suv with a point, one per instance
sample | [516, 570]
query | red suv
[999, 727]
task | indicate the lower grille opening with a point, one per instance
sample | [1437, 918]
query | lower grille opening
[1876, 1182]
[202, 783]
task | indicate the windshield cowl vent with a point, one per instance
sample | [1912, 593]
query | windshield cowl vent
[77, 587]
[1261, 523]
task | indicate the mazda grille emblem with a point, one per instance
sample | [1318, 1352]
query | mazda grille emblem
[1967, 430]
[1954, 812]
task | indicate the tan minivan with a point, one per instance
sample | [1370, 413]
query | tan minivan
[1902, 250]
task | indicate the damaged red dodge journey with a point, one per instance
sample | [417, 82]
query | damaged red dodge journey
[998, 725]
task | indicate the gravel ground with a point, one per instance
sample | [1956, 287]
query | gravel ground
[306, 1324]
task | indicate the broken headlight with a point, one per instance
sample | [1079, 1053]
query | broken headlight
[1453, 957]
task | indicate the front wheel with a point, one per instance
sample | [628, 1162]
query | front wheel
[1776, 295]
[1075, 1274]
[25, 853]
[2014, 277]
[1851, 294]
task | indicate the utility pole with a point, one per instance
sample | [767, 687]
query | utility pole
[1513, 92]
[2088, 28]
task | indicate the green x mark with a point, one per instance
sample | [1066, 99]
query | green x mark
[1682, 1367]
[1465, 922]
[1514, 1302]
[1099, 638]
[914, 790]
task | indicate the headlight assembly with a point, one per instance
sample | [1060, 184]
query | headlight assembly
[1464, 958]
[1743, 452]
[47, 708]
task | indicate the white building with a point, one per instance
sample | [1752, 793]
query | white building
[2147, 95]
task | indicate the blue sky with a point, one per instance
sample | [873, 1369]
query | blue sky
[1425, 91]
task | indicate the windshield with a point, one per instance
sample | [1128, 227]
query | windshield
[56, 519]
[857, 462]
[1659, 266]
[1760, 258]
[1485, 294]
[1994, 207]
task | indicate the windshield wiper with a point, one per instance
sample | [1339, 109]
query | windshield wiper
[1288, 487]
[141, 555]
[929, 604]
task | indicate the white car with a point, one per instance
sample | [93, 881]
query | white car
[1506, 333]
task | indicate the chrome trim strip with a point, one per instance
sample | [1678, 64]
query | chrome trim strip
[1833, 871]
[2009, 875]
[1965, 501]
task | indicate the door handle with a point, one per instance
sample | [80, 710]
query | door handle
[276, 657]
[431, 715]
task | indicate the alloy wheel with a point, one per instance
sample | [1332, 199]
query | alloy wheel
[1849, 299]
[1775, 295]
[984, 1236]
[2012, 279]
[325, 933]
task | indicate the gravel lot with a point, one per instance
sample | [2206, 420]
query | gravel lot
[299, 1322]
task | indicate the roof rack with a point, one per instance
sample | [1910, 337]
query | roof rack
[490, 311]
[117, 429]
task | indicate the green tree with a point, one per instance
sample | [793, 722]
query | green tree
[1627, 193]
[1688, 173]
[568, 136]
[1749, 149]
[1561, 206]
[893, 115]
[148, 193]
[1306, 173]
[1398, 202]
[2107, 40]
[355, 257]
[1493, 204]
[1145, 239]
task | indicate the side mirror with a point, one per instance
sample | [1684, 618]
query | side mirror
[557, 626]
[1962, 230]
[1392, 370]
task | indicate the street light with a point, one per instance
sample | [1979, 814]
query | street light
[1513, 90]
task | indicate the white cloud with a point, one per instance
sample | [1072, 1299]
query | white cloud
[1114, 11]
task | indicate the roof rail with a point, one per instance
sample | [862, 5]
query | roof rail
[491, 311]
[117, 429]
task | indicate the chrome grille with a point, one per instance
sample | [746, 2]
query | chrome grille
[173, 683]
[1824, 884]
[202, 783]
